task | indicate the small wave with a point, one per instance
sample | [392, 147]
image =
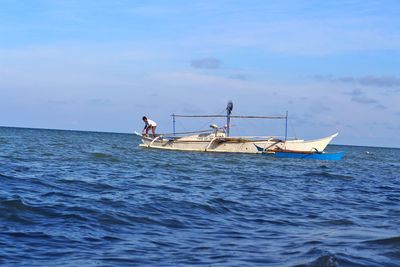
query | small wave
[21, 169]
[17, 219]
[328, 175]
[43, 183]
[223, 201]
[393, 254]
[92, 186]
[16, 204]
[313, 242]
[56, 194]
[386, 188]
[112, 238]
[5, 176]
[103, 156]
[112, 219]
[221, 205]
[339, 222]
[171, 189]
[143, 220]
[172, 223]
[39, 235]
[59, 144]
[119, 261]
[127, 219]
[322, 261]
[26, 210]
[391, 241]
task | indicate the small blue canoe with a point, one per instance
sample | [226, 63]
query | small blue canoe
[303, 155]
[316, 155]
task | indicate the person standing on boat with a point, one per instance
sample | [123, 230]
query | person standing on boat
[149, 124]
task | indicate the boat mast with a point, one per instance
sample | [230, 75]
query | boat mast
[173, 123]
[286, 129]
[229, 108]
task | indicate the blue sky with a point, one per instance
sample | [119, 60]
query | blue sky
[102, 65]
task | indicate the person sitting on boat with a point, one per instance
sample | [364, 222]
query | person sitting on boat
[149, 124]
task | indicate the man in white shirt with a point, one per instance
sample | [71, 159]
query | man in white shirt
[149, 124]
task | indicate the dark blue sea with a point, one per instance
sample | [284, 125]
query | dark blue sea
[71, 198]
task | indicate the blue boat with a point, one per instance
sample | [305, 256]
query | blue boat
[316, 155]
[303, 155]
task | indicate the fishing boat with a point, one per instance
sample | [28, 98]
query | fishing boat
[218, 139]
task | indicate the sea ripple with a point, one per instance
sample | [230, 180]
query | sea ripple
[95, 199]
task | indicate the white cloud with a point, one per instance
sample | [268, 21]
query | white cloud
[206, 63]
[299, 36]
[386, 81]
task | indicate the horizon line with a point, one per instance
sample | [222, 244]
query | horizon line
[108, 132]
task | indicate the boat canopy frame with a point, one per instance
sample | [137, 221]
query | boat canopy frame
[228, 116]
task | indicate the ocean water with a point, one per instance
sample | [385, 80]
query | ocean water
[95, 199]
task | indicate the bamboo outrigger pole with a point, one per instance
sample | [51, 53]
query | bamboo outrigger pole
[232, 116]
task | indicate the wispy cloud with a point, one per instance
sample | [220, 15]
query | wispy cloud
[99, 102]
[360, 97]
[306, 36]
[382, 81]
[206, 63]
[241, 77]
[388, 81]
[381, 106]
[364, 100]
[61, 102]
[355, 93]
[195, 80]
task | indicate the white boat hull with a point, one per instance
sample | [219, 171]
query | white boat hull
[213, 143]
